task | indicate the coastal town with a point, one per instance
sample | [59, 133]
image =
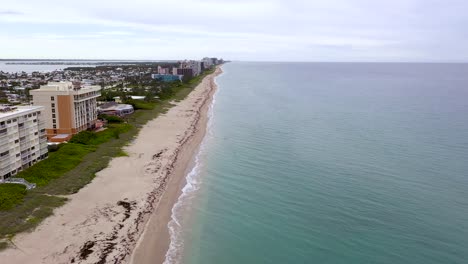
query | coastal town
[41, 109]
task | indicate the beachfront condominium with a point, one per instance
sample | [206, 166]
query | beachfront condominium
[196, 66]
[207, 63]
[22, 138]
[69, 108]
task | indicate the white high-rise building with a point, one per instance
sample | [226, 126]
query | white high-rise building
[207, 62]
[23, 139]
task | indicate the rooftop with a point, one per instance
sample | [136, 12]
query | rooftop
[61, 136]
[65, 86]
[8, 110]
[115, 106]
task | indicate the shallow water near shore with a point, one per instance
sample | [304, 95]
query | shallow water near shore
[331, 163]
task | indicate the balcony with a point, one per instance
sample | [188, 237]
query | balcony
[23, 132]
[26, 159]
[24, 144]
[5, 158]
[4, 172]
[5, 140]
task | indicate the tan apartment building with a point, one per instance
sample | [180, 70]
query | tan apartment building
[22, 138]
[69, 108]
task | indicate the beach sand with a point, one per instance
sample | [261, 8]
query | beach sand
[129, 203]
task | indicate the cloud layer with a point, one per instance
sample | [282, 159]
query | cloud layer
[274, 30]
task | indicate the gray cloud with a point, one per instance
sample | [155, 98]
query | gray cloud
[10, 12]
[336, 30]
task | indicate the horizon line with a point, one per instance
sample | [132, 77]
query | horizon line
[248, 61]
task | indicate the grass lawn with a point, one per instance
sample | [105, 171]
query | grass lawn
[71, 167]
[10, 195]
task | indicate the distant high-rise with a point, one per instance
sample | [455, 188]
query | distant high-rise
[214, 61]
[196, 66]
[186, 72]
[207, 63]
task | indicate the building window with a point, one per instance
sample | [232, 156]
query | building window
[55, 131]
[52, 104]
[16, 141]
[52, 98]
[53, 115]
[54, 126]
[53, 110]
[17, 155]
[54, 121]
[9, 122]
[14, 120]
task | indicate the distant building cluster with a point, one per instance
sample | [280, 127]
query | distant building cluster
[186, 69]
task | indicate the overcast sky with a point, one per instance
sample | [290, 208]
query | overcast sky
[253, 30]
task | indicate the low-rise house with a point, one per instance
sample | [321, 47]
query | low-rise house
[167, 77]
[113, 108]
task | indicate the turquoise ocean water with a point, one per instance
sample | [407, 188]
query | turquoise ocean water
[330, 163]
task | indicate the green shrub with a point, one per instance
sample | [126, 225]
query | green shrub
[113, 131]
[111, 118]
[84, 137]
[11, 195]
[3, 245]
[140, 105]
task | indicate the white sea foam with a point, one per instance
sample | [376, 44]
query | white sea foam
[174, 253]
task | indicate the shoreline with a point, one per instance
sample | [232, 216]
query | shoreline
[104, 221]
[155, 240]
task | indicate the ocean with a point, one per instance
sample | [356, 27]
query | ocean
[330, 163]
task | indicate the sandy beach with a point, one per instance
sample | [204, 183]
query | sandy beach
[122, 215]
